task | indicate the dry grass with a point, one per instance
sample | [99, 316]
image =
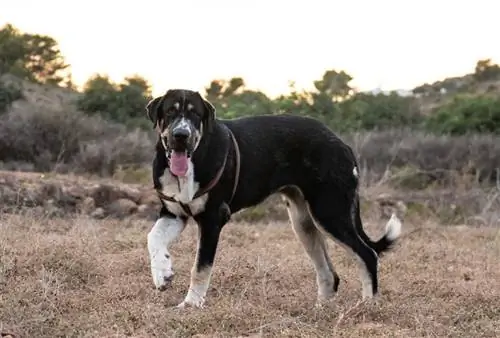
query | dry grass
[87, 278]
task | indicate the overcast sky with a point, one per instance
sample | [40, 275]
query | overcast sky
[388, 44]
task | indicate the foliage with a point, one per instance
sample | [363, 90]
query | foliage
[334, 85]
[485, 70]
[454, 111]
[9, 93]
[33, 57]
[121, 102]
[465, 114]
[379, 111]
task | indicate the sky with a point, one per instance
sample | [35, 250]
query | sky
[185, 44]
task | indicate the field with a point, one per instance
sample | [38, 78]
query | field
[81, 277]
[89, 275]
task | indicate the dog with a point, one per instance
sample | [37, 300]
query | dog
[207, 169]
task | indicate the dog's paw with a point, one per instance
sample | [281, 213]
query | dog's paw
[162, 273]
[324, 301]
[192, 300]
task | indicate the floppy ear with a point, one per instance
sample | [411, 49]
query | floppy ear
[209, 114]
[152, 109]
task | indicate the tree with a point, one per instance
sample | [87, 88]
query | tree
[335, 85]
[223, 89]
[33, 57]
[122, 102]
[486, 70]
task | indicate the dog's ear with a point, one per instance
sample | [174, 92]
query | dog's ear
[152, 110]
[209, 114]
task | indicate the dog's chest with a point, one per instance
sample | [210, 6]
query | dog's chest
[182, 189]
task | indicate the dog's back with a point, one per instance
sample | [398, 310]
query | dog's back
[287, 149]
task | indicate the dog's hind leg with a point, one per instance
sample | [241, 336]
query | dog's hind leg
[314, 244]
[333, 213]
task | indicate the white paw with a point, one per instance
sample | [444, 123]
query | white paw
[323, 301]
[161, 270]
[192, 300]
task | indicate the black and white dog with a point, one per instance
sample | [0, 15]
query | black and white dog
[208, 169]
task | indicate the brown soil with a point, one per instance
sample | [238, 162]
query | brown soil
[90, 278]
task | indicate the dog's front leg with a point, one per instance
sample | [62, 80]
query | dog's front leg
[165, 231]
[209, 228]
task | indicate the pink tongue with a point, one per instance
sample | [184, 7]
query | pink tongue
[178, 163]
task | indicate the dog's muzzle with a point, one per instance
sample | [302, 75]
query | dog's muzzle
[179, 146]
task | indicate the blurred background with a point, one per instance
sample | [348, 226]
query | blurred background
[413, 86]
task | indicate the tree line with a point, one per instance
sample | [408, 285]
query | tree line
[469, 104]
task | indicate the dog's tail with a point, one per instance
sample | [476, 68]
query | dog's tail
[392, 232]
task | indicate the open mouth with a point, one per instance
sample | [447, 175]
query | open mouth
[179, 162]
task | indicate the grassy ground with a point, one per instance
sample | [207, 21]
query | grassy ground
[88, 278]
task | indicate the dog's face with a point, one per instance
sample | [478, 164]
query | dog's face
[181, 117]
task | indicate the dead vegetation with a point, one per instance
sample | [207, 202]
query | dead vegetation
[73, 260]
[83, 277]
[56, 195]
[45, 132]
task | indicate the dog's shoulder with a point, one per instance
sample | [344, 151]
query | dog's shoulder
[277, 128]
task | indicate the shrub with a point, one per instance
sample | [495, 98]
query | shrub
[436, 156]
[70, 141]
[9, 93]
[123, 102]
[466, 114]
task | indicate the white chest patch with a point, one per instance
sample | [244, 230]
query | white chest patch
[183, 189]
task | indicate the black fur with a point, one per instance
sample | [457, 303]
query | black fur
[278, 154]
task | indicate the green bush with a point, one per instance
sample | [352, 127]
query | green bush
[120, 102]
[466, 114]
[379, 111]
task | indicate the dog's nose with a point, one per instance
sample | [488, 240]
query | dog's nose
[180, 134]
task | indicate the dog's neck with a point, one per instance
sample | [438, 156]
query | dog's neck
[207, 159]
[210, 152]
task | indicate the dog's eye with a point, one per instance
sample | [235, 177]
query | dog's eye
[171, 111]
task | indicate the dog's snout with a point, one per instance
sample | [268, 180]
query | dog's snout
[180, 133]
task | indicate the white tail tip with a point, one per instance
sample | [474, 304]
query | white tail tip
[393, 228]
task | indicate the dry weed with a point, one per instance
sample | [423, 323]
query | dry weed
[87, 278]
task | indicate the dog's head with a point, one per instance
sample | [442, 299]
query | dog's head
[181, 118]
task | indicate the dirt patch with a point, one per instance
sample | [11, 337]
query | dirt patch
[56, 195]
[91, 278]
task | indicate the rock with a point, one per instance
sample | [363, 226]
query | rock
[51, 190]
[8, 196]
[98, 213]
[143, 208]
[149, 198]
[57, 195]
[105, 194]
[148, 212]
[131, 193]
[52, 210]
[122, 207]
[87, 205]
